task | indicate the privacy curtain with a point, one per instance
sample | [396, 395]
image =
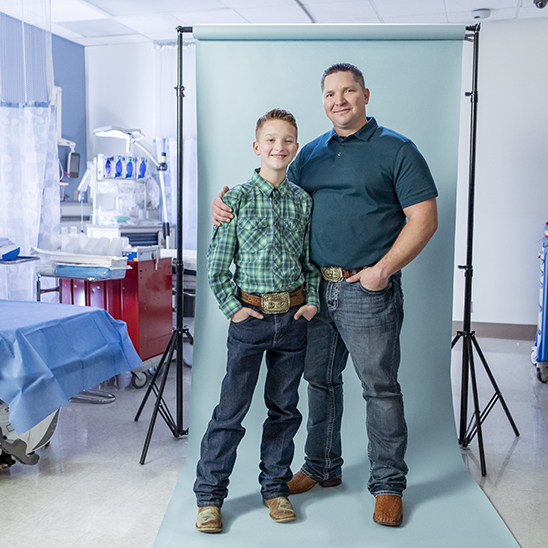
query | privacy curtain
[29, 181]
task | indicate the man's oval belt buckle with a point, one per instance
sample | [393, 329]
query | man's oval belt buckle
[275, 303]
[332, 273]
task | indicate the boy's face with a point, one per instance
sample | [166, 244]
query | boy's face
[276, 145]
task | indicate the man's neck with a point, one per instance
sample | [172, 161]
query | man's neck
[346, 132]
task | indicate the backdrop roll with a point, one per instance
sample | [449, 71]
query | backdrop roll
[414, 76]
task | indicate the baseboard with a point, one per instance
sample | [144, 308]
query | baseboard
[520, 332]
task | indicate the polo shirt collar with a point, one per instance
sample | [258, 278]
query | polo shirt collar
[267, 188]
[363, 134]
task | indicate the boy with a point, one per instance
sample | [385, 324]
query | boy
[270, 298]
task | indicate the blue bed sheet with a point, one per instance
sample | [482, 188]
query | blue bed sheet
[50, 352]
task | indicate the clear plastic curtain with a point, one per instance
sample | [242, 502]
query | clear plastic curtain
[165, 131]
[29, 181]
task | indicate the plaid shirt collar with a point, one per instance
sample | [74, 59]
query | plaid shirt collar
[268, 188]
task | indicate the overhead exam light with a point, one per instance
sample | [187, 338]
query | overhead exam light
[132, 136]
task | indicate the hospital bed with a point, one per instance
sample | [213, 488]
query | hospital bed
[49, 353]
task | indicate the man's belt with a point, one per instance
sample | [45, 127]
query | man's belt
[337, 274]
[274, 303]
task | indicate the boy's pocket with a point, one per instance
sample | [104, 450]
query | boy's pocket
[252, 234]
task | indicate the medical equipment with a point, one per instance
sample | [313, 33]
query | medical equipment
[132, 136]
[539, 352]
[21, 447]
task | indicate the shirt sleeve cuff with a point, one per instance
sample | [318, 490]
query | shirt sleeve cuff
[231, 306]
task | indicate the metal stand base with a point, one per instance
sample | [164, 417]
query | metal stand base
[175, 345]
[467, 433]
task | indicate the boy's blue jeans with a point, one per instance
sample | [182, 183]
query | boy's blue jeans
[283, 339]
[367, 324]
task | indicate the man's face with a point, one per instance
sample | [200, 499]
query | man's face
[344, 102]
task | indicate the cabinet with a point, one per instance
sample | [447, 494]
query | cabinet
[143, 299]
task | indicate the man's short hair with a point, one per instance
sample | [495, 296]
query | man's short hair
[344, 67]
[276, 114]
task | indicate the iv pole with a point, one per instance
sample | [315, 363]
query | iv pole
[466, 434]
[177, 337]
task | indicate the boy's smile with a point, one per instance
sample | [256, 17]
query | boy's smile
[277, 146]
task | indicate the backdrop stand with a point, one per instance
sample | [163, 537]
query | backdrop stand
[467, 432]
[177, 336]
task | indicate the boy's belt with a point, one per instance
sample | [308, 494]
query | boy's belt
[274, 303]
[337, 274]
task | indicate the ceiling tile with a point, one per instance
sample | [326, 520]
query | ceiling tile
[532, 11]
[398, 8]
[467, 17]
[343, 12]
[74, 10]
[426, 19]
[470, 5]
[281, 15]
[140, 7]
[147, 24]
[243, 4]
[210, 17]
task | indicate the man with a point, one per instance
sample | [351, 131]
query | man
[374, 211]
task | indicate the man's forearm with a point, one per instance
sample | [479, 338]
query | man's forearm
[420, 227]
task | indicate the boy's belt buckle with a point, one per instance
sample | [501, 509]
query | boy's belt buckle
[332, 273]
[275, 303]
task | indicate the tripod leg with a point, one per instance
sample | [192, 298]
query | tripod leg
[495, 386]
[155, 414]
[456, 339]
[477, 410]
[168, 352]
[464, 390]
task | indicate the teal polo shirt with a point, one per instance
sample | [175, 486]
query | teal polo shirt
[360, 185]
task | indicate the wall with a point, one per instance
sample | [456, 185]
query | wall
[512, 169]
[120, 93]
[69, 74]
[511, 193]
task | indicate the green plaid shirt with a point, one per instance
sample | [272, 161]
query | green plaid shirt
[268, 241]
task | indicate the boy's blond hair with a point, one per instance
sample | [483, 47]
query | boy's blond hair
[276, 114]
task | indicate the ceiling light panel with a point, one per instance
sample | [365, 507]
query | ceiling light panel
[103, 27]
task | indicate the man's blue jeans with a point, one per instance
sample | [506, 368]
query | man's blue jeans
[367, 325]
[283, 339]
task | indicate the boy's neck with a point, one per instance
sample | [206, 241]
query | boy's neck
[275, 178]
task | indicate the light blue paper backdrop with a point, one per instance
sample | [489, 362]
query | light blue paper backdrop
[415, 90]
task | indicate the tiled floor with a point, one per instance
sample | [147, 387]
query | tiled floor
[517, 478]
[89, 489]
